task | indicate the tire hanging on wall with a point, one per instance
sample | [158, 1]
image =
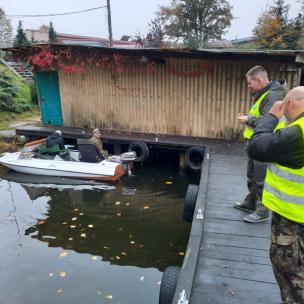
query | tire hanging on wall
[141, 150]
[168, 284]
[190, 202]
[194, 158]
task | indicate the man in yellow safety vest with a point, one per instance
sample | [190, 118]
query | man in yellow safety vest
[283, 149]
[265, 93]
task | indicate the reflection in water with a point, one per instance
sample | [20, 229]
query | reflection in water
[103, 245]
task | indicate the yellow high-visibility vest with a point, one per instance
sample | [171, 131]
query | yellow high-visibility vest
[284, 188]
[254, 112]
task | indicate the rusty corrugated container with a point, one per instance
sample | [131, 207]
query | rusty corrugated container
[183, 96]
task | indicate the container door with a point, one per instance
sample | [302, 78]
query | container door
[49, 97]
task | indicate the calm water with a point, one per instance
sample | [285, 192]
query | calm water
[90, 244]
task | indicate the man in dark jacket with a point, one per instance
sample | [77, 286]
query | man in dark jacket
[55, 139]
[283, 149]
[265, 93]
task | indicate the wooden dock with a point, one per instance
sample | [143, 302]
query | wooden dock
[227, 260]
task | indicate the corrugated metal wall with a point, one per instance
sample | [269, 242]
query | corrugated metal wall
[169, 101]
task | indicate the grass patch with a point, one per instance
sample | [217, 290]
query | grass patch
[7, 117]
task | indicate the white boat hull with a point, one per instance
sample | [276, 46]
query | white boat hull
[105, 170]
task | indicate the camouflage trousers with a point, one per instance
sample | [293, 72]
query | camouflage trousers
[287, 257]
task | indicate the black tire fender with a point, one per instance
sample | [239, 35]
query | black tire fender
[141, 150]
[168, 284]
[194, 158]
[190, 202]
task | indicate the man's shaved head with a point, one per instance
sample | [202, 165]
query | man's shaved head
[294, 103]
[296, 94]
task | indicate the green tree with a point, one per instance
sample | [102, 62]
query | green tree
[196, 22]
[20, 39]
[274, 29]
[6, 31]
[52, 33]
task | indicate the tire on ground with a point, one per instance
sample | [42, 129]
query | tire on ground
[141, 150]
[194, 158]
[168, 284]
[190, 202]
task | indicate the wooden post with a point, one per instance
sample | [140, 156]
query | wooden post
[110, 23]
[117, 149]
[182, 163]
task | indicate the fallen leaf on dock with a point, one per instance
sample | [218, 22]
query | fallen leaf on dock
[109, 297]
[141, 279]
[63, 254]
[62, 274]
[41, 222]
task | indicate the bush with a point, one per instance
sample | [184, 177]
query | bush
[34, 93]
[15, 95]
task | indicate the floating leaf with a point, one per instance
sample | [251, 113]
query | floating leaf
[124, 253]
[75, 209]
[41, 222]
[109, 297]
[81, 213]
[74, 219]
[169, 183]
[159, 282]
[181, 253]
[63, 254]
[141, 279]
[119, 214]
[98, 292]
[83, 235]
[71, 239]
[94, 258]
[141, 245]
[118, 203]
[105, 247]
[51, 274]
[127, 204]
[59, 290]
[117, 257]
[73, 226]
[64, 223]
[62, 274]
[146, 207]
[132, 242]
[90, 226]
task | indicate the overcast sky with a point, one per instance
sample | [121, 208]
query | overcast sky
[129, 16]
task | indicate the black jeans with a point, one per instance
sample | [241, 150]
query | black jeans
[256, 173]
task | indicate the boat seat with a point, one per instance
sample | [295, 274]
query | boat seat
[88, 151]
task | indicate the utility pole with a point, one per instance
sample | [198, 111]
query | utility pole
[110, 23]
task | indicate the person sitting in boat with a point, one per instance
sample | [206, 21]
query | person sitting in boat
[91, 150]
[55, 139]
[96, 137]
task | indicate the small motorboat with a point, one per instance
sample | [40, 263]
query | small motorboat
[111, 169]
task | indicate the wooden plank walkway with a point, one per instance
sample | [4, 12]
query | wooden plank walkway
[233, 264]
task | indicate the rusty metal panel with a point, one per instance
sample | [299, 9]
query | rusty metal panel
[189, 97]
